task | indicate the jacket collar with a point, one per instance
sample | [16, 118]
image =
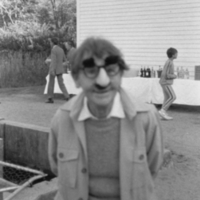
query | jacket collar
[129, 103]
[116, 110]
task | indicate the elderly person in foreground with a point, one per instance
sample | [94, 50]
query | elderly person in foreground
[103, 145]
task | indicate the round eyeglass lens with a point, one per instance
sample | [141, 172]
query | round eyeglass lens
[91, 72]
[112, 70]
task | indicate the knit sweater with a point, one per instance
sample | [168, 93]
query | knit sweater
[102, 137]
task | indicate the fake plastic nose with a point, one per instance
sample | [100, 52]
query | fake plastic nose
[102, 79]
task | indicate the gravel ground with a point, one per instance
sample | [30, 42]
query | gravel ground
[178, 180]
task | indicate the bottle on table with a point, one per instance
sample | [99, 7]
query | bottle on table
[187, 74]
[159, 71]
[182, 73]
[141, 72]
[155, 74]
[152, 73]
[144, 72]
[177, 72]
[148, 73]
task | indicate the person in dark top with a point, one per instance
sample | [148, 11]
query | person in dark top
[56, 70]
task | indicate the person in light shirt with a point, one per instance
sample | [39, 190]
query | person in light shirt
[166, 81]
[103, 145]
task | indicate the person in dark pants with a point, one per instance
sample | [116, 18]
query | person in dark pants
[56, 70]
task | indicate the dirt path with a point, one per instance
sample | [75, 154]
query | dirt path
[27, 105]
[180, 180]
[182, 136]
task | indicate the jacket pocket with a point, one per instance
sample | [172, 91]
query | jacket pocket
[142, 185]
[139, 168]
[67, 167]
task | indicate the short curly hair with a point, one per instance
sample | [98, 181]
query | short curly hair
[98, 47]
[171, 51]
[55, 40]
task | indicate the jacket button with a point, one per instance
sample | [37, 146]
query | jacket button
[61, 155]
[84, 170]
[141, 157]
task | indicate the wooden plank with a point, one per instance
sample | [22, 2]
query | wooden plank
[1, 156]
[2, 126]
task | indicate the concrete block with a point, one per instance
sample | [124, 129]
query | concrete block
[26, 145]
[1, 156]
[2, 126]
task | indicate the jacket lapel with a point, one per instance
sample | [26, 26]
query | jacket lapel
[80, 130]
[74, 106]
[127, 142]
[126, 155]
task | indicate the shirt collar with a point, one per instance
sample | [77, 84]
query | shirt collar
[116, 111]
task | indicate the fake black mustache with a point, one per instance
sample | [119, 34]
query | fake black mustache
[99, 87]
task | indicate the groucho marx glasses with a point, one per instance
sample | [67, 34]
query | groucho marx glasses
[91, 70]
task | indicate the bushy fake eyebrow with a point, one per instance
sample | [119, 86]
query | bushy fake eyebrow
[89, 62]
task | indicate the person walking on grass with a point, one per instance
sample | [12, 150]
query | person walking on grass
[56, 70]
[166, 81]
[103, 144]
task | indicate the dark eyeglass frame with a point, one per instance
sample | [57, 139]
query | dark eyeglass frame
[111, 66]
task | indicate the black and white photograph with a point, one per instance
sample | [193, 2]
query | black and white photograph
[99, 100]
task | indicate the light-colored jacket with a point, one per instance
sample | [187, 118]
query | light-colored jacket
[168, 76]
[141, 150]
[57, 59]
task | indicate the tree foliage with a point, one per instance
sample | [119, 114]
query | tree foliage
[27, 24]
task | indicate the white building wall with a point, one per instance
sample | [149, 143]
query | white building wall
[144, 29]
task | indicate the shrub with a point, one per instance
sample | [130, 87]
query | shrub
[19, 69]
